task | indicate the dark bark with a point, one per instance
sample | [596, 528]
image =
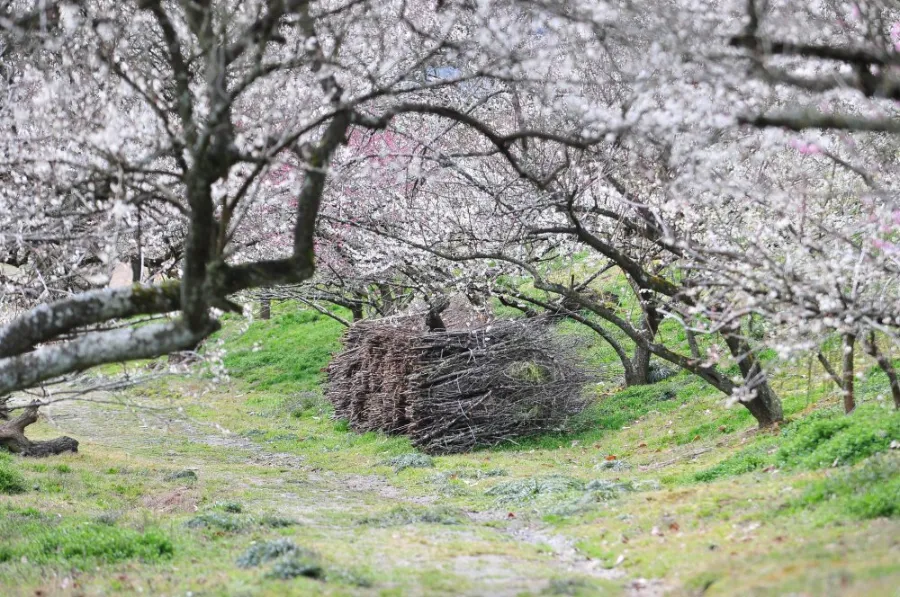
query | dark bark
[12, 438]
[357, 311]
[433, 319]
[765, 406]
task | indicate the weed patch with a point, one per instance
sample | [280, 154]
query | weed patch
[83, 545]
[11, 480]
[404, 515]
[745, 461]
[277, 522]
[412, 460]
[227, 506]
[215, 521]
[823, 439]
[830, 438]
[296, 565]
[185, 475]
[520, 490]
[871, 490]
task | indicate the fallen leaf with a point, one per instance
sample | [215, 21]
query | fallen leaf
[611, 457]
[642, 445]
[511, 515]
[722, 428]
[769, 469]
[674, 527]
[696, 437]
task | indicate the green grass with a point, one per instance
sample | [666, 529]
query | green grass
[285, 354]
[870, 490]
[658, 482]
[825, 438]
[42, 540]
[830, 438]
[11, 481]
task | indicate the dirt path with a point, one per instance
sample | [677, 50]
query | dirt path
[520, 563]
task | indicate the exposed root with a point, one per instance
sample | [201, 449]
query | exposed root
[12, 437]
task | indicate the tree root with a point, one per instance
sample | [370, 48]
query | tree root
[12, 437]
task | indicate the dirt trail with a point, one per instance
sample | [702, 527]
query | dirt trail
[315, 497]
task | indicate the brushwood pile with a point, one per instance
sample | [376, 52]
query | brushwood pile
[454, 390]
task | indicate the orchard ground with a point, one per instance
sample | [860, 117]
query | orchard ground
[246, 486]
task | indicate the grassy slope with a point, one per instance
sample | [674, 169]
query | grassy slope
[694, 495]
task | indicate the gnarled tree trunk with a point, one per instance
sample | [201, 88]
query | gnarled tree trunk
[12, 437]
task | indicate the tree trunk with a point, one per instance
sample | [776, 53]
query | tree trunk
[887, 366]
[847, 380]
[765, 406]
[357, 311]
[692, 344]
[638, 374]
[265, 308]
[12, 437]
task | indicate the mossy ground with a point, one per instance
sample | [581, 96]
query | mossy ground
[660, 482]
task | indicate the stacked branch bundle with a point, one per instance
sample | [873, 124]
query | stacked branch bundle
[452, 391]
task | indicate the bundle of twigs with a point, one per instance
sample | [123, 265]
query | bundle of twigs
[452, 391]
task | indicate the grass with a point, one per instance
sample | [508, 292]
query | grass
[825, 438]
[298, 344]
[80, 544]
[659, 482]
[11, 481]
[871, 490]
